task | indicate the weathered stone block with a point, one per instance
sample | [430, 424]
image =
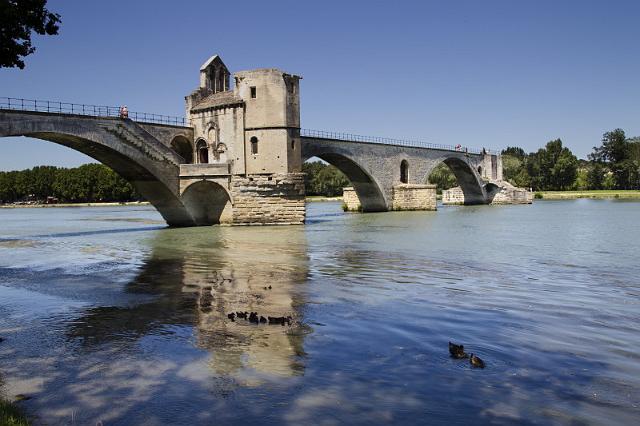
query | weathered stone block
[414, 197]
[350, 200]
[264, 200]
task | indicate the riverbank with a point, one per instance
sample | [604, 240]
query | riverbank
[18, 206]
[309, 199]
[318, 198]
[10, 415]
[597, 194]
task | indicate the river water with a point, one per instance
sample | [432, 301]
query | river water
[108, 316]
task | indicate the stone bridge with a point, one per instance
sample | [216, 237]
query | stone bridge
[376, 168]
[238, 154]
[133, 150]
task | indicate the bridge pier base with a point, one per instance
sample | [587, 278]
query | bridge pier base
[350, 200]
[414, 197]
[274, 199]
[504, 193]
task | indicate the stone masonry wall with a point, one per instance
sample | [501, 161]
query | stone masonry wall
[414, 197]
[350, 200]
[453, 196]
[508, 194]
[276, 199]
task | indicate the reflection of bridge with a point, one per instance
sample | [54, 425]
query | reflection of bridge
[239, 158]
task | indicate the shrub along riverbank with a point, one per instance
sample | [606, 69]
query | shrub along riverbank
[598, 194]
[10, 415]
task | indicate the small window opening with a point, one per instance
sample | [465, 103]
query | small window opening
[404, 171]
[253, 92]
[293, 144]
[203, 152]
[254, 145]
[479, 169]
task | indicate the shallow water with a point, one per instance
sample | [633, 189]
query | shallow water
[108, 316]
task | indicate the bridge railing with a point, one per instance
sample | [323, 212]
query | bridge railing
[33, 105]
[349, 137]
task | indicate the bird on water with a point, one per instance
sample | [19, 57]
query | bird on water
[457, 351]
[476, 361]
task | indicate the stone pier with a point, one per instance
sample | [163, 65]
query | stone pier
[414, 197]
[276, 199]
[350, 200]
[503, 193]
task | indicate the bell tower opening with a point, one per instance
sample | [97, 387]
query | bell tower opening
[214, 75]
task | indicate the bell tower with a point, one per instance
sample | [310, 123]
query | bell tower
[272, 120]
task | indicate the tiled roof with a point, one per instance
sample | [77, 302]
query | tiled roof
[218, 100]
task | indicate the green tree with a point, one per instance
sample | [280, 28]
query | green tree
[581, 182]
[442, 177]
[42, 179]
[621, 156]
[614, 148]
[553, 167]
[626, 173]
[609, 181]
[512, 166]
[514, 151]
[8, 192]
[87, 183]
[595, 176]
[18, 20]
[323, 179]
[522, 179]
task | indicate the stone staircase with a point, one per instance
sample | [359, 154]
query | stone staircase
[135, 136]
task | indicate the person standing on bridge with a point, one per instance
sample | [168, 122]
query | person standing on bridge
[124, 112]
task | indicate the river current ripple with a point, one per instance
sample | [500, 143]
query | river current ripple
[108, 316]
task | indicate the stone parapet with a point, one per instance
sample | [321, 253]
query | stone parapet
[414, 197]
[350, 200]
[204, 170]
[277, 199]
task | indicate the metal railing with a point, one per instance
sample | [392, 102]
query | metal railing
[55, 107]
[349, 137]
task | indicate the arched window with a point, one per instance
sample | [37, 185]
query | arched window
[404, 171]
[183, 148]
[212, 134]
[203, 152]
[254, 145]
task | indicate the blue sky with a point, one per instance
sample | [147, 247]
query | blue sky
[478, 73]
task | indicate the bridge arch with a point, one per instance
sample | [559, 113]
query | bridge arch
[183, 147]
[208, 202]
[151, 167]
[368, 190]
[467, 178]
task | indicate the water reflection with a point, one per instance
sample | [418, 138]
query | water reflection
[131, 327]
[195, 279]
